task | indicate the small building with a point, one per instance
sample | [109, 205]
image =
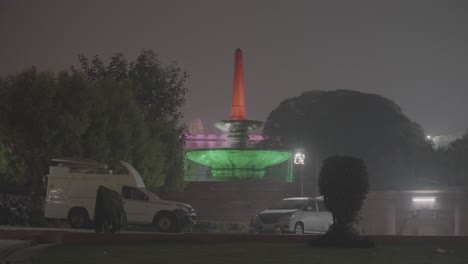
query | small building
[437, 212]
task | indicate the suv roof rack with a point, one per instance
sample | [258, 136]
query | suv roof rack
[80, 163]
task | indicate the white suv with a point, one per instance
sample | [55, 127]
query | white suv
[296, 215]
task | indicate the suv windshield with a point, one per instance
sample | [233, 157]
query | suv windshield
[289, 204]
[150, 193]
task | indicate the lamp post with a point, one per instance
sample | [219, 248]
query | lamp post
[299, 159]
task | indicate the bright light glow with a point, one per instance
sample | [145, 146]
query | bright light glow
[429, 137]
[423, 199]
[299, 158]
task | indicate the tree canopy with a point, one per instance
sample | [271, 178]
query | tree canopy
[159, 89]
[104, 112]
[453, 162]
[366, 126]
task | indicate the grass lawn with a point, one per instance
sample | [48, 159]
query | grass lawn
[248, 252]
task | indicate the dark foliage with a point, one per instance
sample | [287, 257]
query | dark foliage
[159, 88]
[159, 91]
[367, 126]
[343, 182]
[109, 213]
[119, 111]
[454, 162]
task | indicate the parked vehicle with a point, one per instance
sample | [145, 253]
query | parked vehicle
[72, 188]
[294, 215]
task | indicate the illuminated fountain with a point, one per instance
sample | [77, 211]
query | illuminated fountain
[238, 161]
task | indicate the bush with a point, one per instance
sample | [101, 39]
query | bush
[343, 182]
[109, 214]
[219, 227]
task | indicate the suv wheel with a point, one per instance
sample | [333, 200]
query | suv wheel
[166, 223]
[299, 228]
[78, 218]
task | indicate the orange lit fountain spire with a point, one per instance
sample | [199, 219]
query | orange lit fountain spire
[238, 127]
[238, 96]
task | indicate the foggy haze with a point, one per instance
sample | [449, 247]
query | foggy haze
[412, 52]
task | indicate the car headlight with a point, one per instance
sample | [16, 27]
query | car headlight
[191, 210]
[288, 216]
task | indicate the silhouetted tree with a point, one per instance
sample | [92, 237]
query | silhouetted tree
[455, 162]
[343, 182]
[367, 126]
[44, 116]
[159, 89]
[160, 93]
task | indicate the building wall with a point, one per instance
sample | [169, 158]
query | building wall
[232, 201]
[395, 213]
[383, 212]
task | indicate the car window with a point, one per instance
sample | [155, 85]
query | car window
[321, 206]
[138, 195]
[310, 206]
[133, 194]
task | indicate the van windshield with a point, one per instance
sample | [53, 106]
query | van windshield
[289, 204]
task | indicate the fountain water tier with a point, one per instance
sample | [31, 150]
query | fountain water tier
[238, 131]
[230, 164]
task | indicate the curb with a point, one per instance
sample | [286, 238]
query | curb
[70, 237]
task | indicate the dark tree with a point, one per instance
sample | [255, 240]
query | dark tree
[45, 115]
[160, 92]
[159, 89]
[454, 162]
[362, 125]
[343, 182]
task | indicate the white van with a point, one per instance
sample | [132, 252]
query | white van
[294, 215]
[71, 194]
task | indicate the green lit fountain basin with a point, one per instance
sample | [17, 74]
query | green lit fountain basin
[232, 164]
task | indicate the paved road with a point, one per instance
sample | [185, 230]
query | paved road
[10, 246]
[25, 255]
[32, 236]
[21, 251]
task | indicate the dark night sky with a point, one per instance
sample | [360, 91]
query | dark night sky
[413, 52]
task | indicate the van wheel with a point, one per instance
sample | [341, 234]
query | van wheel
[299, 228]
[78, 218]
[166, 223]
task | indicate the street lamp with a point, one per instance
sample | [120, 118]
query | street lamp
[299, 160]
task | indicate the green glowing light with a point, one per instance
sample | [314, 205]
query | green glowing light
[227, 164]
